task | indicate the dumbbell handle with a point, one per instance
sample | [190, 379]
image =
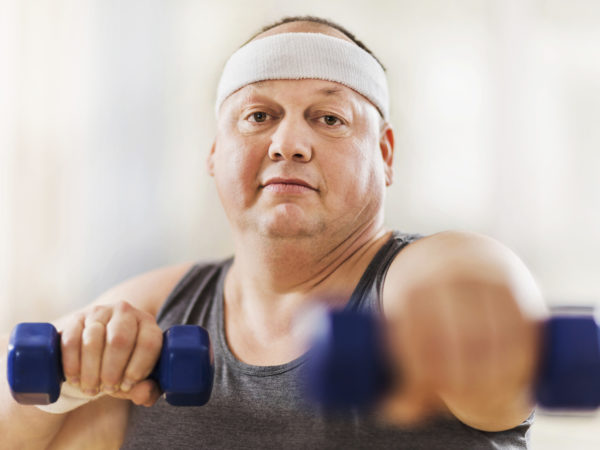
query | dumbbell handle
[184, 371]
[348, 366]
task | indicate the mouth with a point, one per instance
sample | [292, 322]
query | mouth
[288, 185]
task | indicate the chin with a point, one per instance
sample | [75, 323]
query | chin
[288, 232]
[290, 227]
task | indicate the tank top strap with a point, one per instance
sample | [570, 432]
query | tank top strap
[367, 295]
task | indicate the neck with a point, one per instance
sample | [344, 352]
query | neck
[272, 281]
[276, 275]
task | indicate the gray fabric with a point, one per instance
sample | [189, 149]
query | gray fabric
[263, 407]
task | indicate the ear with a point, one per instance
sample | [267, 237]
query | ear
[386, 145]
[210, 160]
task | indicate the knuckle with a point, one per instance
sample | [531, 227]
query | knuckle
[119, 340]
[70, 341]
[150, 344]
[156, 333]
[97, 309]
[70, 336]
[123, 306]
[76, 321]
[146, 317]
[91, 341]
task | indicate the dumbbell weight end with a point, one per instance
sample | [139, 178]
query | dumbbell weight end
[34, 368]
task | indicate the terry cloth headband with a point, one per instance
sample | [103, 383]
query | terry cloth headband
[296, 56]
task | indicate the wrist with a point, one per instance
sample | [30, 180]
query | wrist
[71, 397]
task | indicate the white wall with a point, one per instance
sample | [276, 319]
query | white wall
[107, 117]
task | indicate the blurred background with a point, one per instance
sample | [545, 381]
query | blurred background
[106, 119]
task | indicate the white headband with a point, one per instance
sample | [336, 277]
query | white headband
[298, 56]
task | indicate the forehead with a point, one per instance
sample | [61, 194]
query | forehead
[299, 92]
[304, 87]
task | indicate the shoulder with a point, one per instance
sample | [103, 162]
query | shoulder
[454, 256]
[149, 290]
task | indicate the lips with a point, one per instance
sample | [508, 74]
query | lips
[288, 185]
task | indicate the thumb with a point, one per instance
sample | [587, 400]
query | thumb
[144, 393]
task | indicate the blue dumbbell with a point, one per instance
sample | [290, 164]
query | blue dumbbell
[347, 366]
[184, 371]
[569, 371]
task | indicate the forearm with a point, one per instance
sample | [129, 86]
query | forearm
[99, 424]
[23, 426]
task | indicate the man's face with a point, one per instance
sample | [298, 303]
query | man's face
[295, 158]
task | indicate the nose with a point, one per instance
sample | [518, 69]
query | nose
[291, 141]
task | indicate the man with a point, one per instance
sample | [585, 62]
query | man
[302, 156]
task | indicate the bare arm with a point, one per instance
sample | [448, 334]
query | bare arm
[147, 291]
[465, 313]
[29, 427]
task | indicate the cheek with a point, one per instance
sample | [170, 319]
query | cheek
[358, 167]
[363, 186]
[236, 171]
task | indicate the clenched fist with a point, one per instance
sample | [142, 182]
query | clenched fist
[464, 330]
[112, 349]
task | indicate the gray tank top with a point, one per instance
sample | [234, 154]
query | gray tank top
[264, 407]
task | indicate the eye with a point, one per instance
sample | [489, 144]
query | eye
[258, 116]
[331, 120]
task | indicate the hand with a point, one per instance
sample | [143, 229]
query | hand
[112, 349]
[464, 345]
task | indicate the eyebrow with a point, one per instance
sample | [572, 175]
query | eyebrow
[326, 90]
[330, 90]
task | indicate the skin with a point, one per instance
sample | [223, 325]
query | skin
[301, 168]
[307, 238]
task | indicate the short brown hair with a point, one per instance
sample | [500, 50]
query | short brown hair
[322, 21]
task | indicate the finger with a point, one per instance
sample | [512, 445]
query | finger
[492, 324]
[145, 393]
[441, 345]
[121, 333]
[92, 346]
[145, 354]
[468, 365]
[70, 346]
[416, 345]
[517, 344]
[427, 343]
[484, 339]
